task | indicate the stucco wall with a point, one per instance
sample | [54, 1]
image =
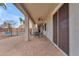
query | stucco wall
[49, 28]
[31, 25]
[49, 21]
[74, 28]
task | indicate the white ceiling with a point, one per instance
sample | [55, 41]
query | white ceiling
[37, 10]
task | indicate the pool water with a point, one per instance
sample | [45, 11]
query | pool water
[8, 33]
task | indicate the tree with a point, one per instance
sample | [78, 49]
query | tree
[10, 28]
[21, 20]
[3, 5]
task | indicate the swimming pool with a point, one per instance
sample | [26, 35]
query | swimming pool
[8, 33]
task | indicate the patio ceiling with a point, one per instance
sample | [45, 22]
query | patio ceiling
[37, 10]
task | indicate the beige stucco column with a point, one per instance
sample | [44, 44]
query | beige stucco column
[26, 29]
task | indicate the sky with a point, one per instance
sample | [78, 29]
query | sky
[11, 15]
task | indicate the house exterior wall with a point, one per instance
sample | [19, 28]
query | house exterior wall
[49, 21]
[49, 32]
[74, 28]
[31, 26]
[49, 28]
